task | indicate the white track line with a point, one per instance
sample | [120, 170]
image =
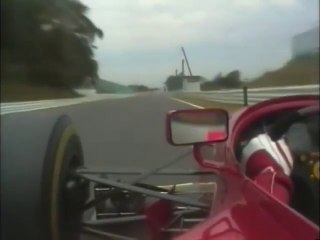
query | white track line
[191, 104]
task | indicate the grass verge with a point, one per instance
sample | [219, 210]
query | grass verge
[302, 70]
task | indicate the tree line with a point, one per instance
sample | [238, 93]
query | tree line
[141, 88]
[231, 80]
[48, 42]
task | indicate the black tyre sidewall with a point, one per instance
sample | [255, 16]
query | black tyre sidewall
[55, 172]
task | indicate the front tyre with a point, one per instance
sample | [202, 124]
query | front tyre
[63, 194]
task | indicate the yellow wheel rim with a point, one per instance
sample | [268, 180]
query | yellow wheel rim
[67, 134]
[316, 170]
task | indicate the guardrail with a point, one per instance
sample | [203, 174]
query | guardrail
[13, 107]
[249, 96]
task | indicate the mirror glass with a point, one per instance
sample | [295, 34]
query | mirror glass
[198, 126]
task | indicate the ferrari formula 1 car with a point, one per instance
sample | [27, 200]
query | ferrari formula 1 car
[53, 196]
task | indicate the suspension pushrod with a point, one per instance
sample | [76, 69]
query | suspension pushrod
[144, 191]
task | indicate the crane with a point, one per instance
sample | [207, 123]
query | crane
[185, 57]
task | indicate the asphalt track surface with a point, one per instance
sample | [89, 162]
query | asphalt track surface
[116, 133]
[123, 134]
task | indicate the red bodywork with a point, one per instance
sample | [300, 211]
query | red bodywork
[241, 210]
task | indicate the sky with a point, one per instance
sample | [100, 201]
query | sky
[142, 38]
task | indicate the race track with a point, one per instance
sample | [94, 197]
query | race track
[121, 134]
[126, 133]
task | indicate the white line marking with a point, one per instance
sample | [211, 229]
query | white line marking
[191, 104]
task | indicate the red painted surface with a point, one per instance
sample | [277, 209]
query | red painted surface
[158, 216]
[273, 181]
[247, 212]
[242, 210]
[215, 136]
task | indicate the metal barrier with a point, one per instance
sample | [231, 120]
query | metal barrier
[249, 96]
[13, 107]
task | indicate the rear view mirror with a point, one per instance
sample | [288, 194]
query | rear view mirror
[187, 127]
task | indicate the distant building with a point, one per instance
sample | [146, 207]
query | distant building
[192, 83]
[306, 42]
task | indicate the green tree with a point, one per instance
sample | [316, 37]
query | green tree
[53, 40]
[231, 80]
[174, 83]
[141, 88]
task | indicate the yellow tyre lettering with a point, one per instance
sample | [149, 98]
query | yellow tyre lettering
[58, 161]
[316, 170]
